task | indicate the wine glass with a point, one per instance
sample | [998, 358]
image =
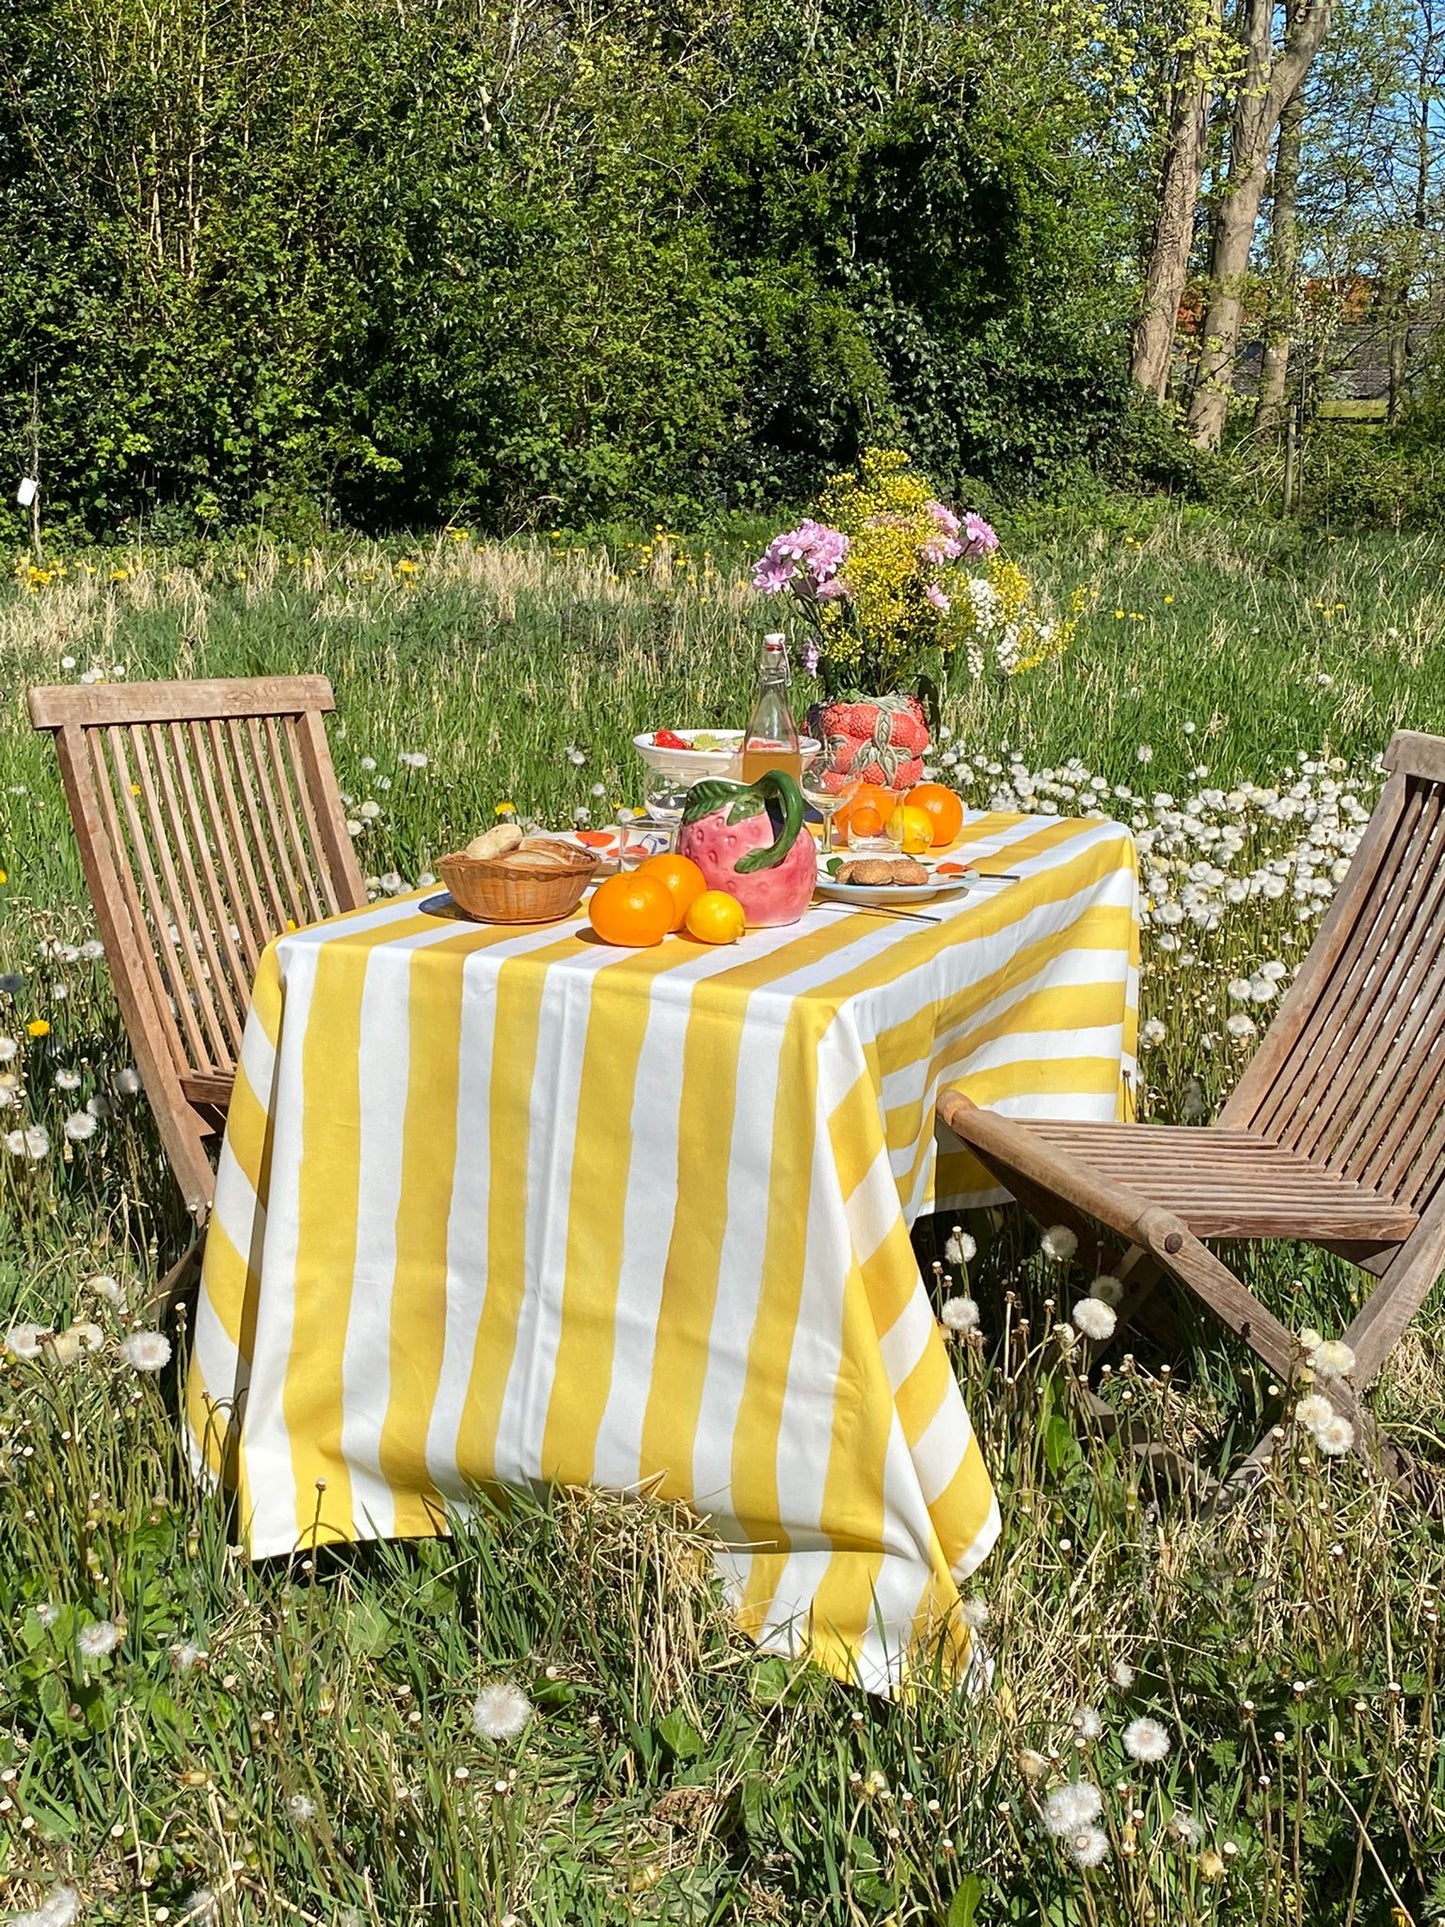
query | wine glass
[665, 799]
[826, 790]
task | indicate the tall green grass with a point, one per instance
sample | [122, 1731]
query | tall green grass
[298, 1745]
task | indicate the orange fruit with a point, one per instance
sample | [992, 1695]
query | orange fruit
[632, 910]
[680, 876]
[866, 796]
[912, 829]
[715, 917]
[944, 805]
[864, 820]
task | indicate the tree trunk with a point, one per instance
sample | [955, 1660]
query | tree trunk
[1173, 238]
[1265, 90]
[1284, 266]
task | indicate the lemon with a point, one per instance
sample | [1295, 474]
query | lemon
[912, 828]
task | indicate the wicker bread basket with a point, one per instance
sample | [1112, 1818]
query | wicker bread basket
[511, 890]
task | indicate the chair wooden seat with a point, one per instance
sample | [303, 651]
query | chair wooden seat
[1232, 1184]
[1335, 1135]
[209, 821]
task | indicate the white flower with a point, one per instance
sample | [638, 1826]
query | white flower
[1108, 1289]
[1313, 1410]
[392, 883]
[1095, 1319]
[146, 1351]
[1088, 1722]
[67, 1080]
[1147, 1740]
[1310, 1340]
[79, 1126]
[1059, 1243]
[1334, 1435]
[127, 1081]
[1333, 1358]
[960, 1249]
[501, 1710]
[368, 762]
[1238, 1025]
[412, 759]
[302, 1809]
[96, 1640]
[105, 1287]
[1123, 1675]
[369, 810]
[960, 1314]
[92, 950]
[24, 1341]
[201, 1906]
[8, 1048]
[1069, 1809]
[976, 1613]
[1144, 753]
[37, 1142]
[1152, 1031]
[1089, 1847]
[1240, 990]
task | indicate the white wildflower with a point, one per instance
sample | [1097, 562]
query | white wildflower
[1334, 1435]
[99, 1106]
[1123, 1675]
[8, 1048]
[1088, 1722]
[1238, 1025]
[201, 1906]
[1059, 1243]
[37, 1142]
[1313, 1410]
[1239, 989]
[501, 1710]
[79, 1126]
[1089, 1847]
[25, 1341]
[412, 759]
[146, 1351]
[368, 763]
[1310, 1340]
[369, 810]
[84, 1337]
[1147, 1740]
[98, 1639]
[60, 1908]
[960, 1314]
[1069, 1809]
[1152, 1031]
[106, 1287]
[1144, 753]
[67, 1080]
[960, 1249]
[1333, 1358]
[1095, 1319]
[92, 950]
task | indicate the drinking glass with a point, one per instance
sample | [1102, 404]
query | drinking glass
[878, 842]
[665, 799]
[826, 792]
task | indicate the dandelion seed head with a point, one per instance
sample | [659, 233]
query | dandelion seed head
[960, 1314]
[1313, 1410]
[102, 1636]
[302, 1809]
[1059, 1244]
[146, 1351]
[976, 1612]
[1333, 1358]
[1334, 1436]
[79, 1126]
[1089, 1847]
[1070, 1809]
[1088, 1722]
[1108, 1289]
[1094, 1318]
[501, 1710]
[960, 1249]
[25, 1340]
[1123, 1675]
[1147, 1740]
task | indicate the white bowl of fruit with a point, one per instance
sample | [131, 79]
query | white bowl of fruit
[684, 756]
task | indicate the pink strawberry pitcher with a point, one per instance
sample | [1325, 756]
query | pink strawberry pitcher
[748, 839]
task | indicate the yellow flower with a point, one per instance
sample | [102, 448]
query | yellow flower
[1118, 615]
[37, 1027]
[505, 809]
[1169, 598]
[406, 566]
[4, 876]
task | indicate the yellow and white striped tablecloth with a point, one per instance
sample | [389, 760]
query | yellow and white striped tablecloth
[504, 1204]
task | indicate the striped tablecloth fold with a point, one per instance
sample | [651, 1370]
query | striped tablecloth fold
[506, 1205]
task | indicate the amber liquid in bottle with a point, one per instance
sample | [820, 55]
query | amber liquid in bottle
[770, 740]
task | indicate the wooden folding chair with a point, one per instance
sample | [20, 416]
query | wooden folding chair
[1335, 1135]
[209, 821]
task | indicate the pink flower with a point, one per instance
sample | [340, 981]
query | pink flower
[806, 559]
[939, 600]
[834, 590]
[979, 538]
[945, 546]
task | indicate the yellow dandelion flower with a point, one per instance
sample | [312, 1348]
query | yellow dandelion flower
[406, 566]
[37, 1027]
[505, 809]
[1169, 598]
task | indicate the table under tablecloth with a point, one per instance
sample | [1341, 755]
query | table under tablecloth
[502, 1205]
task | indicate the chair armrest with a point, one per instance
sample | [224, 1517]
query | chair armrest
[1009, 1146]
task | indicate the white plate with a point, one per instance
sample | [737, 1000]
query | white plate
[883, 894]
[689, 765]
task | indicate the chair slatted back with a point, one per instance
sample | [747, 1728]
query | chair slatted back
[209, 821]
[1352, 1071]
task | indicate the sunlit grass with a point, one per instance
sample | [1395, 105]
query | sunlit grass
[299, 1745]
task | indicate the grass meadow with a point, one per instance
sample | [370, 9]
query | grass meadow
[185, 1738]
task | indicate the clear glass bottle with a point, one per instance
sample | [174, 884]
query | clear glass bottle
[770, 740]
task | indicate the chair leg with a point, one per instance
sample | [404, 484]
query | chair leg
[182, 1276]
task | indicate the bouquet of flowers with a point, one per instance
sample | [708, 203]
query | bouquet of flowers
[894, 585]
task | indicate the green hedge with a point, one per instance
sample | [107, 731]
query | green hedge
[386, 264]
